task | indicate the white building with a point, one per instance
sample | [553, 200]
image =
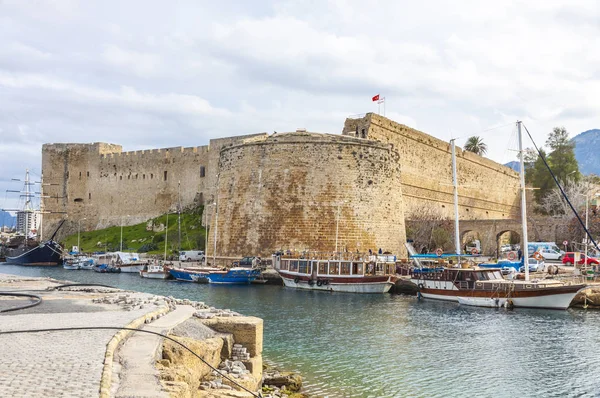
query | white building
[28, 222]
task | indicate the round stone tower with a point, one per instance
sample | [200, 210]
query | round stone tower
[308, 191]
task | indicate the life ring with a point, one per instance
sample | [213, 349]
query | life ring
[439, 252]
[474, 251]
[296, 280]
[319, 282]
[538, 256]
[511, 255]
[421, 286]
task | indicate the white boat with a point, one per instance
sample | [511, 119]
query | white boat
[352, 274]
[129, 262]
[154, 271]
[485, 287]
[78, 262]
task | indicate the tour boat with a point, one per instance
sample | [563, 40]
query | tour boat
[154, 271]
[485, 287]
[353, 273]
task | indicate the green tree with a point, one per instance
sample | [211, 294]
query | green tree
[476, 145]
[561, 160]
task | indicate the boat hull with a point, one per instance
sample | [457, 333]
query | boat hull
[182, 275]
[46, 254]
[233, 276]
[154, 275]
[363, 285]
[130, 268]
[559, 297]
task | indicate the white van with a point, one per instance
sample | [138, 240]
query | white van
[191, 255]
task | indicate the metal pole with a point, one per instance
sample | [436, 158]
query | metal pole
[384, 106]
[586, 227]
[205, 235]
[525, 248]
[455, 185]
[216, 221]
[78, 233]
[179, 211]
[337, 225]
[121, 247]
[167, 236]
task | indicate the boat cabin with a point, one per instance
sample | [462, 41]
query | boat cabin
[354, 265]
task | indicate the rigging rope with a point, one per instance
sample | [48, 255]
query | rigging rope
[561, 189]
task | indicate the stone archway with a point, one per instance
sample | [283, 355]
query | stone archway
[506, 237]
[468, 236]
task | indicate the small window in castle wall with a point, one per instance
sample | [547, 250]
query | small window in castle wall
[136, 176]
[67, 175]
[165, 175]
[143, 176]
[202, 171]
[78, 200]
[90, 196]
[120, 177]
[151, 176]
[88, 173]
[80, 175]
[363, 134]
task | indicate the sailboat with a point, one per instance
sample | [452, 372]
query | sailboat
[485, 287]
[47, 252]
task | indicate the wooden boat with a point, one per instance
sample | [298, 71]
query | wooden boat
[352, 273]
[154, 271]
[190, 274]
[485, 287]
[231, 276]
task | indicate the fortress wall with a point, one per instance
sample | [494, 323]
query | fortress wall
[283, 192]
[487, 190]
[99, 185]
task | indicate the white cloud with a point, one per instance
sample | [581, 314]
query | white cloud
[151, 74]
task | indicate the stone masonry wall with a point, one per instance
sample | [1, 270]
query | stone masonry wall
[284, 192]
[487, 190]
[98, 185]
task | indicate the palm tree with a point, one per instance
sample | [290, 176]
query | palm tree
[476, 145]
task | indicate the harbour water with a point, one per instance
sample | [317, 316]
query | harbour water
[348, 345]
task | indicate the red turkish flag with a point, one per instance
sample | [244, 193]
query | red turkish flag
[376, 98]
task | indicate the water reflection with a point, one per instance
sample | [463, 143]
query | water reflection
[349, 345]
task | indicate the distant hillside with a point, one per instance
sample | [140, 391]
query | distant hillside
[7, 220]
[515, 165]
[587, 145]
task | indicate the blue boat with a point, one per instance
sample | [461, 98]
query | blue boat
[233, 276]
[502, 264]
[184, 275]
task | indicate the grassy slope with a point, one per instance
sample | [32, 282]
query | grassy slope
[108, 239]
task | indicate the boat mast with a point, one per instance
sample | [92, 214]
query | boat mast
[42, 207]
[166, 236]
[524, 248]
[455, 185]
[179, 211]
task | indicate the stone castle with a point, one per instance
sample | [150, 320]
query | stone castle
[266, 192]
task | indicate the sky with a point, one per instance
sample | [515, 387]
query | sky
[151, 74]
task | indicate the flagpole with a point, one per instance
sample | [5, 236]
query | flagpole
[384, 106]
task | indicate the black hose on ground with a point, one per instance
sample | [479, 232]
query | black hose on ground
[22, 307]
[83, 284]
[134, 330]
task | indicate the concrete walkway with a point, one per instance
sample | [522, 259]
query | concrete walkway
[61, 363]
[138, 376]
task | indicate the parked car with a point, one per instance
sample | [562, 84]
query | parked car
[191, 255]
[505, 248]
[534, 266]
[569, 259]
[551, 254]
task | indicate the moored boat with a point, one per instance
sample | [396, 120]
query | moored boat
[353, 273]
[232, 276]
[154, 271]
[485, 287]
